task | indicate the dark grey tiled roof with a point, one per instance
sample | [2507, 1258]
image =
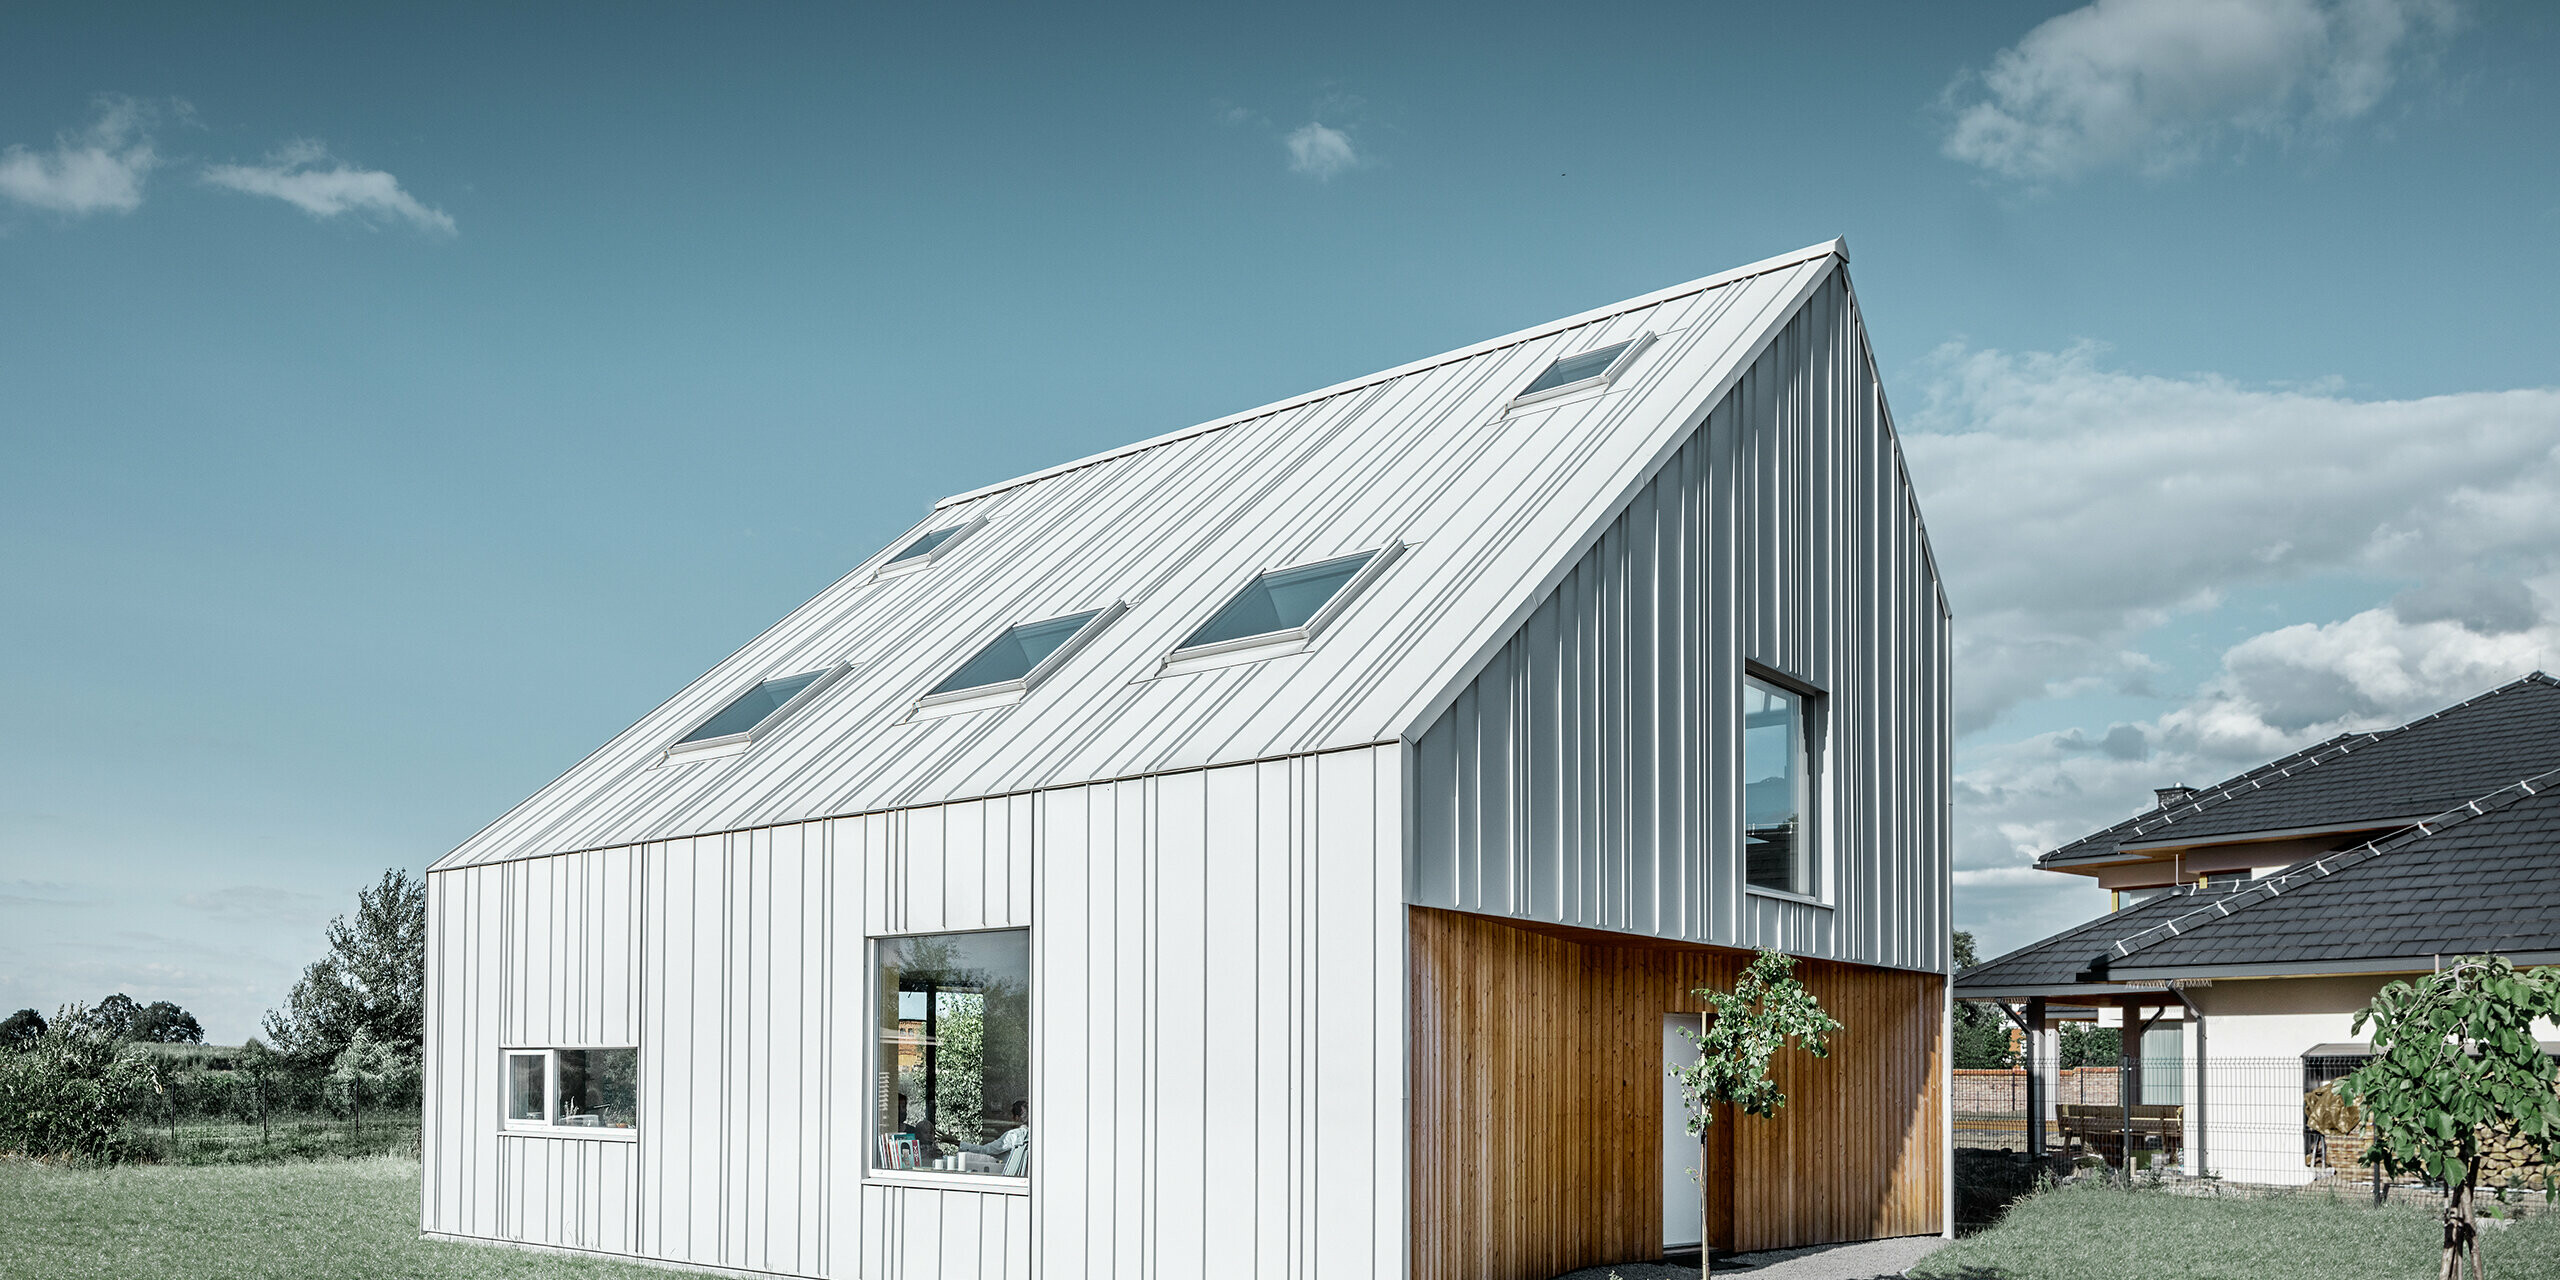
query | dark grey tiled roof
[2484, 877]
[2425, 766]
[2057, 960]
[2489, 883]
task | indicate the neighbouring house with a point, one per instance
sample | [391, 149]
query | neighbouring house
[1285, 848]
[2259, 914]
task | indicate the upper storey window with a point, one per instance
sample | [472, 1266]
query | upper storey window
[1011, 663]
[1594, 368]
[735, 727]
[1777, 788]
[1279, 612]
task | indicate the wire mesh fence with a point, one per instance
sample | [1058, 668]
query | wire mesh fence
[2239, 1121]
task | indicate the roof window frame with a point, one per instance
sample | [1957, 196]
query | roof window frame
[1005, 693]
[895, 567]
[730, 744]
[1600, 381]
[1288, 640]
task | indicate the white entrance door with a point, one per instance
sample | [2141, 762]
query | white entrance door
[1681, 1226]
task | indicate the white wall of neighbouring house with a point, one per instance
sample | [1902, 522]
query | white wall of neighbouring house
[1218, 996]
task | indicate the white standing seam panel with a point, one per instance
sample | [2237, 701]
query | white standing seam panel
[1590, 774]
[1488, 501]
[1217, 1033]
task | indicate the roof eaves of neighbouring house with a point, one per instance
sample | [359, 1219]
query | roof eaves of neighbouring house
[2161, 827]
[2110, 962]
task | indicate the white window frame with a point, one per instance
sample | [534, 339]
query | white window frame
[896, 568]
[943, 1179]
[734, 743]
[1287, 640]
[1813, 842]
[1004, 693]
[1596, 382]
[548, 1126]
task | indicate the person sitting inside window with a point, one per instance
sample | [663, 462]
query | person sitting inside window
[1013, 1144]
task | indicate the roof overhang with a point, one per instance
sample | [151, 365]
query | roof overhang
[2380, 966]
[2167, 844]
[2097, 992]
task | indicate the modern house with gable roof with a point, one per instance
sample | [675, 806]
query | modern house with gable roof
[2259, 914]
[1284, 848]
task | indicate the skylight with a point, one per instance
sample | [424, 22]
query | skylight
[1573, 371]
[1282, 600]
[924, 548]
[750, 710]
[925, 545]
[1012, 658]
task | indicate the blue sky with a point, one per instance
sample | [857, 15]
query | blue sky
[393, 407]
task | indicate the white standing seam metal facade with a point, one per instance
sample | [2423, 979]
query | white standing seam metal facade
[1528, 712]
[1591, 775]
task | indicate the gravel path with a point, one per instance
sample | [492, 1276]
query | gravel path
[1871, 1260]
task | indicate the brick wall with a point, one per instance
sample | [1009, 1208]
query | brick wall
[2006, 1091]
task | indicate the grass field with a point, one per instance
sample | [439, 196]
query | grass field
[2101, 1233]
[299, 1221]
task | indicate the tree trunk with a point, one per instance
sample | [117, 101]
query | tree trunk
[1705, 1210]
[2462, 1228]
[355, 1102]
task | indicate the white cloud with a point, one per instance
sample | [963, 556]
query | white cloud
[305, 176]
[100, 169]
[2075, 508]
[1320, 152]
[2156, 84]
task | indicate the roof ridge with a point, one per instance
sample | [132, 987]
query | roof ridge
[2269, 888]
[2285, 765]
[1837, 247]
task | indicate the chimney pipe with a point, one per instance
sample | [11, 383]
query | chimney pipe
[2168, 796]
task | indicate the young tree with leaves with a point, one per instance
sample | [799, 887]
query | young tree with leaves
[2454, 1059]
[1767, 1010]
[373, 980]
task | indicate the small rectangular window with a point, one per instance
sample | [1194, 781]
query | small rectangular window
[574, 1089]
[953, 1063]
[1777, 771]
[599, 1088]
[528, 1087]
[1590, 369]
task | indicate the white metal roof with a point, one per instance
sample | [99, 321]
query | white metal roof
[1492, 508]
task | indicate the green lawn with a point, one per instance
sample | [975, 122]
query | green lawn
[2097, 1233]
[355, 1218]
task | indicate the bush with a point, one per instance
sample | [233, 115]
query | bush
[69, 1093]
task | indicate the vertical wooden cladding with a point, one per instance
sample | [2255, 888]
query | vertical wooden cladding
[1219, 966]
[1537, 1103]
[1589, 776]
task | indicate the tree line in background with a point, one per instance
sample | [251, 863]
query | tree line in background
[91, 1081]
[1982, 1033]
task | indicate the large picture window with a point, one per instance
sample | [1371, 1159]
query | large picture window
[588, 1088]
[952, 1076]
[1777, 788]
